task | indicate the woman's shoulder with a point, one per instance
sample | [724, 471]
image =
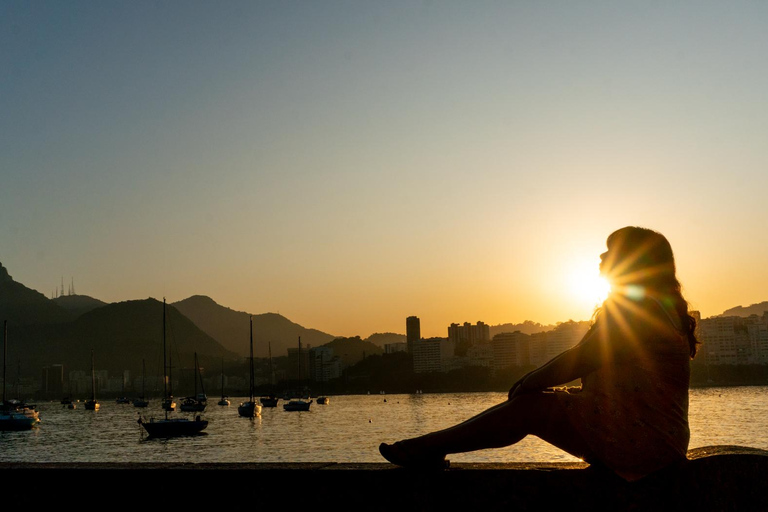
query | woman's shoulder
[643, 316]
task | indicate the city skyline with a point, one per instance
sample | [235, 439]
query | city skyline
[348, 165]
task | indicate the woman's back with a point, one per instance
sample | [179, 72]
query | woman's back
[633, 409]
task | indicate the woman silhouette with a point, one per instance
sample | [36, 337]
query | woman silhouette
[631, 412]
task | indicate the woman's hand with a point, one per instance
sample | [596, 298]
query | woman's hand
[517, 388]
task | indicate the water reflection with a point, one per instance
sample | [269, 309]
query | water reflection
[347, 430]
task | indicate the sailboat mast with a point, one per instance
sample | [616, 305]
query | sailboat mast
[271, 370]
[251, 369]
[5, 353]
[165, 365]
[93, 379]
[195, 375]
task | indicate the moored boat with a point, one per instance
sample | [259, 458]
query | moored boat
[171, 427]
[297, 405]
[92, 404]
[141, 401]
[15, 414]
[250, 409]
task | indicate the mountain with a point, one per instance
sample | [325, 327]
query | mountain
[121, 335]
[230, 328]
[23, 306]
[352, 350]
[754, 309]
[527, 327]
[78, 304]
[384, 338]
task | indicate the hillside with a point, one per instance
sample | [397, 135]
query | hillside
[230, 328]
[121, 335]
[20, 305]
[78, 304]
[352, 350]
[526, 327]
[745, 311]
[384, 338]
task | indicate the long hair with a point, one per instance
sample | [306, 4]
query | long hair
[640, 259]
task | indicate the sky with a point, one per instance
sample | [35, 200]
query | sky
[349, 164]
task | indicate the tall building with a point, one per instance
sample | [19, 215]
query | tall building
[511, 349]
[468, 333]
[412, 331]
[565, 336]
[432, 355]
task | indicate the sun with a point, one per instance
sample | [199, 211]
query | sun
[588, 287]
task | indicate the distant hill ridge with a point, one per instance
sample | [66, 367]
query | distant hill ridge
[754, 309]
[23, 306]
[78, 304]
[231, 328]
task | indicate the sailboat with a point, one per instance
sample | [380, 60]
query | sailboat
[271, 399]
[168, 404]
[142, 401]
[322, 399]
[299, 404]
[224, 400]
[250, 409]
[14, 414]
[198, 402]
[171, 427]
[123, 399]
[92, 404]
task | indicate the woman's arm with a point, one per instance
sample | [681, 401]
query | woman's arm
[570, 365]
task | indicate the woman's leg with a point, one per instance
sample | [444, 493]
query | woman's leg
[540, 414]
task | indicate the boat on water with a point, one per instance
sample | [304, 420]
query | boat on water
[250, 409]
[171, 427]
[168, 404]
[92, 404]
[224, 400]
[271, 399]
[199, 401]
[322, 400]
[142, 402]
[15, 414]
[297, 405]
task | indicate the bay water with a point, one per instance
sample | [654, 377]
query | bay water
[349, 429]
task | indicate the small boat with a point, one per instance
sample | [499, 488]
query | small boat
[92, 404]
[322, 400]
[171, 427]
[297, 405]
[141, 401]
[271, 399]
[168, 404]
[250, 409]
[224, 400]
[15, 414]
[198, 402]
[122, 400]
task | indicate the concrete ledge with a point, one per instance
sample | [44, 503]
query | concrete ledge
[715, 478]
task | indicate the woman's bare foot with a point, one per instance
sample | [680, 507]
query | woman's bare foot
[400, 455]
